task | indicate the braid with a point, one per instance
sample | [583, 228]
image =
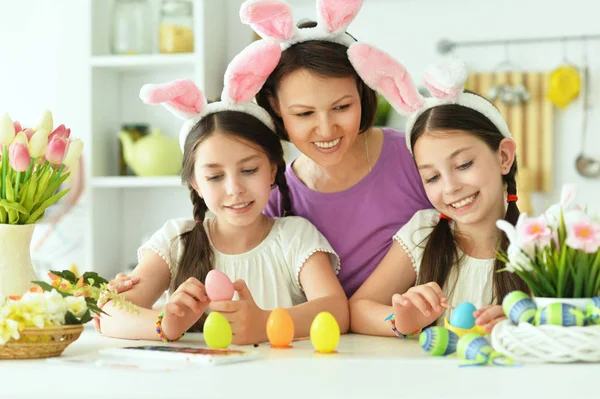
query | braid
[284, 190]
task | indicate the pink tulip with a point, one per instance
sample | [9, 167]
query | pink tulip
[56, 150]
[28, 132]
[60, 131]
[19, 157]
[18, 127]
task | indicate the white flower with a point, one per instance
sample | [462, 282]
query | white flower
[8, 329]
[76, 305]
[518, 261]
[56, 308]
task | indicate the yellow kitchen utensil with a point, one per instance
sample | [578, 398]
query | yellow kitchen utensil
[564, 87]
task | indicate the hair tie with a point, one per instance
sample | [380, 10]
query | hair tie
[444, 216]
[512, 198]
[198, 221]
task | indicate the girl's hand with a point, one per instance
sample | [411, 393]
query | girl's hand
[185, 307]
[248, 321]
[122, 283]
[420, 305]
[488, 316]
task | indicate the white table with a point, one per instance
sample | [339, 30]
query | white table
[364, 367]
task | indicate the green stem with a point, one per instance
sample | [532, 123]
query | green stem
[28, 173]
[4, 167]
[17, 181]
[62, 168]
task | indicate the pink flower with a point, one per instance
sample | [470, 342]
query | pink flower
[28, 132]
[60, 131]
[18, 156]
[57, 147]
[534, 231]
[18, 127]
[584, 235]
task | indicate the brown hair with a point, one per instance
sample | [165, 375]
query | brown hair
[197, 259]
[441, 251]
[322, 58]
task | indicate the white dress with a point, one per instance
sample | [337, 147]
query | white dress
[476, 275]
[271, 270]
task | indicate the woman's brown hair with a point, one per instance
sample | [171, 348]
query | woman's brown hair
[441, 252]
[197, 259]
[322, 58]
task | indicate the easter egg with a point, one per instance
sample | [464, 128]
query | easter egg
[217, 331]
[462, 316]
[474, 347]
[519, 307]
[593, 311]
[560, 314]
[218, 286]
[324, 333]
[280, 328]
[438, 341]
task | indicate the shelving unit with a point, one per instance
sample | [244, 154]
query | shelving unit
[126, 210]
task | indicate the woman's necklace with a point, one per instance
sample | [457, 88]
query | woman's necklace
[314, 177]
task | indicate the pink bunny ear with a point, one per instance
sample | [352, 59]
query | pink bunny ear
[248, 71]
[446, 81]
[269, 18]
[386, 75]
[336, 15]
[181, 97]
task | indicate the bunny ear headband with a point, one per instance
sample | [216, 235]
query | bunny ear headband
[244, 77]
[445, 82]
[273, 19]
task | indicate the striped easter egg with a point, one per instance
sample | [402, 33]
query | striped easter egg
[438, 341]
[519, 307]
[593, 311]
[474, 347]
[561, 314]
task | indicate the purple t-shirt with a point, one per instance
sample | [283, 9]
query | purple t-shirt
[360, 222]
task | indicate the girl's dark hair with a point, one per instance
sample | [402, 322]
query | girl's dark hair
[441, 251]
[326, 59]
[197, 258]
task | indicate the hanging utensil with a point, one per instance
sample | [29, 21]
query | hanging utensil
[586, 166]
[507, 93]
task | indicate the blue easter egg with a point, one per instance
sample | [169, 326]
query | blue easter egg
[474, 347]
[519, 307]
[462, 316]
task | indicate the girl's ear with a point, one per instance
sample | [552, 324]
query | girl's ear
[273, 173]
[506, 154]
[275, 105]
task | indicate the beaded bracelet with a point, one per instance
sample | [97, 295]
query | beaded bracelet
[160, 332]
[392, 320]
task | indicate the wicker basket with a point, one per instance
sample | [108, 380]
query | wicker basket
[547, 343]
[37, 343]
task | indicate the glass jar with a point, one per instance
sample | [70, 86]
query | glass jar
[132, 27]
[176, 30]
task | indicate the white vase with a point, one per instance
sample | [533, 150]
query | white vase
[580, 303]
[16, 269]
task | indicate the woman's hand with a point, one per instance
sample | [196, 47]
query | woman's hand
[248, 321]
[185, 307]
[488, 316]
[420, 306]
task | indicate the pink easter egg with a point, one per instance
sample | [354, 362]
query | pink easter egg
[218, 286]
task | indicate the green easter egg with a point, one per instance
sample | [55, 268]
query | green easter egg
[519, 307]
[438, 341]
[561, 314]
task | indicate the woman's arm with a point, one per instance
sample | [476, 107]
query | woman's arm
[372, 303]
[154, 277]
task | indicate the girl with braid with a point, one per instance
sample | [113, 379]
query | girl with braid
[231, 159]
[442, 257]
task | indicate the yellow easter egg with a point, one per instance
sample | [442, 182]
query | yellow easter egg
[324, 333]
[217, 331]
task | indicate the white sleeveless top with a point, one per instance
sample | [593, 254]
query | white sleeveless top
[271, 270]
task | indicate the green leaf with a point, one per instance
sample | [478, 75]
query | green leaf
[42, 184]
[66, 274]
[98, 281]
[13, 206]
[3, 215]
[70, 318]
[50, 190]
[87, 316]
[39, 213]
[29, 191]
[13, 215]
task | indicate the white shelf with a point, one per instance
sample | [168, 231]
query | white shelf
[135, 182]
[141, 62]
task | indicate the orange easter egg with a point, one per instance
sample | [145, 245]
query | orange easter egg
[218, 286]
[280, 328]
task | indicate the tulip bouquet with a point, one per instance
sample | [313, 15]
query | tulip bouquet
[558, 253]
[34, 163]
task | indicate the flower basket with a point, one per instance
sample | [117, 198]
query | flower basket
[547, 343]
[37, 343]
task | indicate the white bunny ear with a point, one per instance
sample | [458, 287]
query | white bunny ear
[269, 18]
[446, 81]
[248, 71]
[387, 76]
[181, 97]
[336, 15]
